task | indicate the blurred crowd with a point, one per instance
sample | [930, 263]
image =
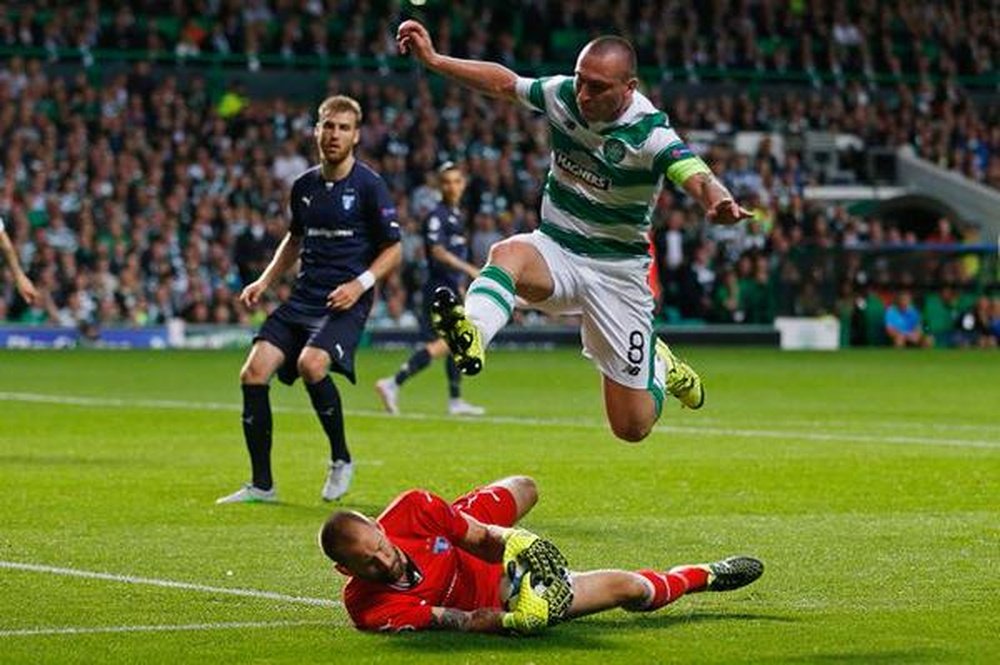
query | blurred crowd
[869, 37]
[147, 198]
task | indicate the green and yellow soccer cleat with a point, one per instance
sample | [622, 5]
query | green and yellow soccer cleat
[682, 381]
[459, 333]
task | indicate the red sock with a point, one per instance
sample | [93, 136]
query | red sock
[667, 587]
[695, 576]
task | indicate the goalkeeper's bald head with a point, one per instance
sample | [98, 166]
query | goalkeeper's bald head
[340, 531]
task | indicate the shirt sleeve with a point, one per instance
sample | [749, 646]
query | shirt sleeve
[386, 611]
[2, 227]
[531, 92]
[382, 216]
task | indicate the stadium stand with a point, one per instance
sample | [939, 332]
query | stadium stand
[144, 174]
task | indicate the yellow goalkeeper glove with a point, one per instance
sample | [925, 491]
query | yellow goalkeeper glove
[531, 612]
[516, 541]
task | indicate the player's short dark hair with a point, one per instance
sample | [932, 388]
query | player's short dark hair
[448, 166]
[337, 533]
[340, 104]
[614, 44]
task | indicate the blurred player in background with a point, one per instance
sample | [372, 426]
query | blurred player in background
[429, 563]
[344, 231]
[447, 251]
[611, 149]
[9, 254]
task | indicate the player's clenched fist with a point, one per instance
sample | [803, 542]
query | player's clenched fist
[412, 37]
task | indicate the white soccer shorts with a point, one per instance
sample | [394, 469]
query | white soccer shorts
[617, 308]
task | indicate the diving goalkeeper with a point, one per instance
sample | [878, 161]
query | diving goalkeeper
[427, 563]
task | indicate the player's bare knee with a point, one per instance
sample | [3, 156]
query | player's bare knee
[507, 254]
[251, 375]
[525, 492]
[630, 432]
[312, 368]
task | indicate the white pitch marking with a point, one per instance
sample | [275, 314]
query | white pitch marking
[820, 436]
[228, 625]
[809, 435]
[170, 584]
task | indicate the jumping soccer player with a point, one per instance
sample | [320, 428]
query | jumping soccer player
[427, 563]
[21, 281]
[611, 149]
[344, 230]
[447, 252]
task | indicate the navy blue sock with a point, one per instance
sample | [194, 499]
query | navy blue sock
[257, 432]
[419, 360]
[329, 410]
[454, 378]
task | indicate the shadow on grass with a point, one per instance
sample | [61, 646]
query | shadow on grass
[579, 636]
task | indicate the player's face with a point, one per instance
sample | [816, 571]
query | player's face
[336, 135]
[452, 186]
[375, 558]
[603, 88]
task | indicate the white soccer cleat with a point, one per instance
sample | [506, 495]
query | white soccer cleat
[338, 480]
[459, 407]
[388, 392]
[250, 494]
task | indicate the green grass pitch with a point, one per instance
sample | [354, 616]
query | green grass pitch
[868, 482]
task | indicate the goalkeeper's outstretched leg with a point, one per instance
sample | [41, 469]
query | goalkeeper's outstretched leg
[649, 590]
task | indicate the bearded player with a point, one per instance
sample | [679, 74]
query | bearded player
[429, 563]
[611, 150]
[345, 236]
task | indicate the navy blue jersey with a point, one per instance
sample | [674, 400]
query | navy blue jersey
[343, 225]
[444, 226]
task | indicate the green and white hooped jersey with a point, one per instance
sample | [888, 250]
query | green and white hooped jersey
[605, 177]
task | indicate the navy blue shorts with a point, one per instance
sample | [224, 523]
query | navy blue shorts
[337, 333]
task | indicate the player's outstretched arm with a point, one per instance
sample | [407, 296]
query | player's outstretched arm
[488, 78]
[477, 621]
[284, 258]
[528, 616]
[720, 206]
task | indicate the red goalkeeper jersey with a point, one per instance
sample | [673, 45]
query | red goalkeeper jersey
[440, 574]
